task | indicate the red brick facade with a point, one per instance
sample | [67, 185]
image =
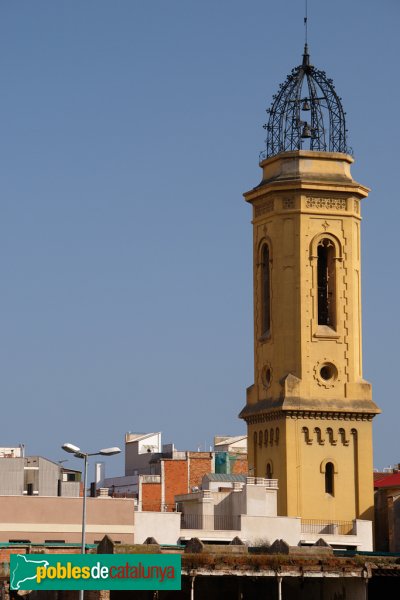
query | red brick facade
[240, 466]
[200, 463]
[180, 475]
[5, 552]
[175, 481]
[151, 497]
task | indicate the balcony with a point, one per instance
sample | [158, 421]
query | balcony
[211, 522]
[268, 483]
[327, 527]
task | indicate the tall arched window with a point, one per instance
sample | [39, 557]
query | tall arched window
[266, 437]
[329, 478]
[260, 439]
[326, 274]
[266, 290]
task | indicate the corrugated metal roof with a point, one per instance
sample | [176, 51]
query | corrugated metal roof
[392, 480]
[134, 437]
[224, 477]
[231, 440]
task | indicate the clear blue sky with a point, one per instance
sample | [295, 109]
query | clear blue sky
[128, 132]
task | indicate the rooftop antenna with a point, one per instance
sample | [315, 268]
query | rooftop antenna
[306, 23]
[306, 56]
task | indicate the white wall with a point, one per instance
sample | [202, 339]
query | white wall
[139, 452]
[163, 526]
[257, 507]
[269, 529]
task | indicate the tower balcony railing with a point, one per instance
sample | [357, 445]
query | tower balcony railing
[210, 522]
[267, 482]
[327, 527]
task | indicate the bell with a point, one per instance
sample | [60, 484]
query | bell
[306, 133]
[306, 105]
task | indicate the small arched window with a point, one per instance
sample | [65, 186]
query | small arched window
[326, 276]
[260, 439]
[331, 438]
[266, 290]
[266, 437]
[329, 478]
[277, 436]
[343, 438]
[271, 437]
[307, 438]
[320, 440]
[268, 472]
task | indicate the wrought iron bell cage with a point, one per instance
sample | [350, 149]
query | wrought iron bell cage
[306, 107]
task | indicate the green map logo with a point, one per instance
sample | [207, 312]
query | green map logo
[95, 572]
[24, 570]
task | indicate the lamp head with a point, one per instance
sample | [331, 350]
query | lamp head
[70, 448]
[110, 451]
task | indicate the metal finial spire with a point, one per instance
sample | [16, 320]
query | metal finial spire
[306, 23]
[306, 56]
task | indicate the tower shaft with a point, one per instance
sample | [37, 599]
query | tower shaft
[309, 412]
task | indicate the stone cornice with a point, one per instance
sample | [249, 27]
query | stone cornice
[264, 417]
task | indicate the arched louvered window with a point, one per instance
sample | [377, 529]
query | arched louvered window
[326, 274]
[266, 437]
[260, 439]
[266, 290]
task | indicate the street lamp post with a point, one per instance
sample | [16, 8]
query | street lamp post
[76, 451]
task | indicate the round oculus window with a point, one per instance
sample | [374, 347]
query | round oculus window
[328, 372]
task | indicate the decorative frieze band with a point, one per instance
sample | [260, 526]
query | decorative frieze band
[288, 203]
[301, 414]
[328, 436]
[328, 416]
[265, 207]
[326, 203]
[264, 417]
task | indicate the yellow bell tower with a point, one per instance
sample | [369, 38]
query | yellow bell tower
[309, 412]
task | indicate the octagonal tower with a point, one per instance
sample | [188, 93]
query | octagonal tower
[309, 412]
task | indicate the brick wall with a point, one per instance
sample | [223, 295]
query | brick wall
[198, 467]
[175, 480]
[239, 466]
[5, 552]
[180, 475]
[151, 496]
